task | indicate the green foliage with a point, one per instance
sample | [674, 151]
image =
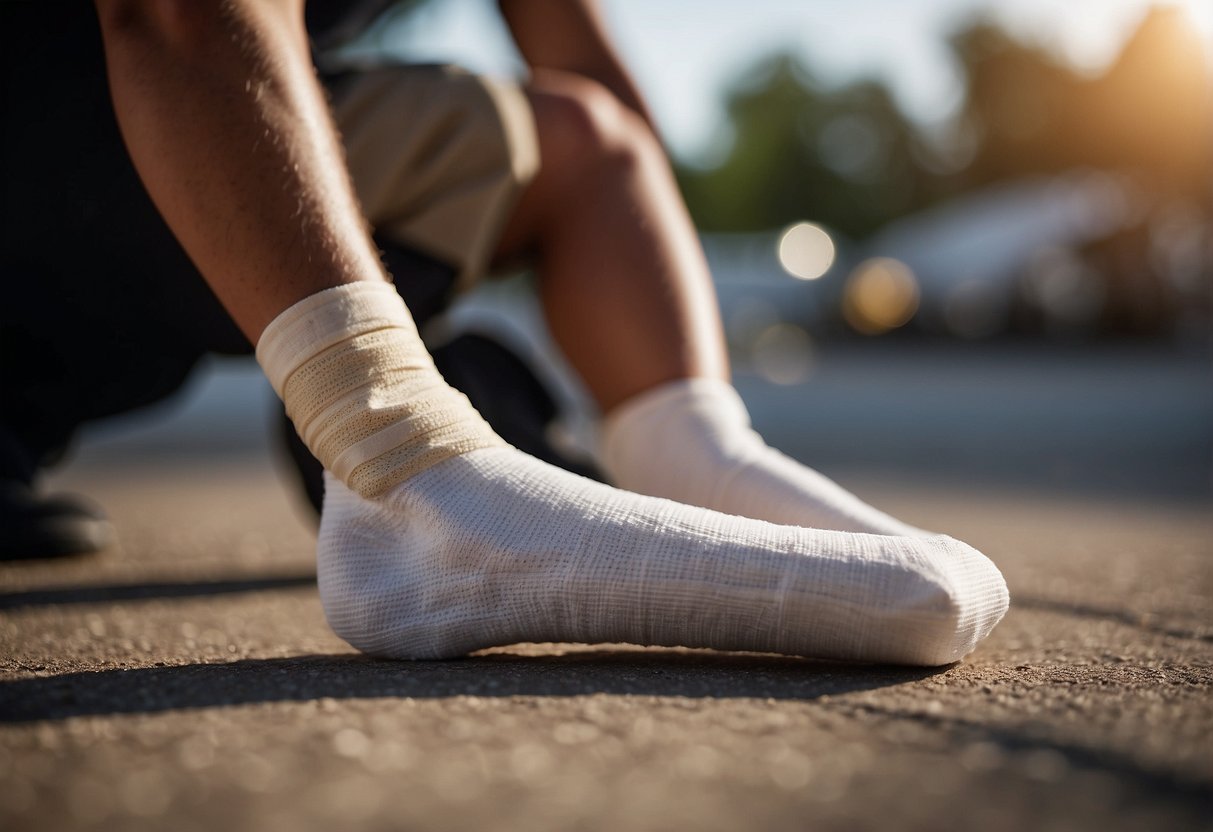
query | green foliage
[844, 157]
[848, 158]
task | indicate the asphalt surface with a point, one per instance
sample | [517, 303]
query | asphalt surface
[186, 679]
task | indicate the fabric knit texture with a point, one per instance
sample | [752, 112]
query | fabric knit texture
[362, 390]
[438, 539]
[494, 547]
[691, 441]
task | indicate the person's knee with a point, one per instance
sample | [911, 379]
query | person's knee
[580, 122]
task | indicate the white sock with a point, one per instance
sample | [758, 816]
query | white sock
[474, 544]
[495, 547]
[690, 440]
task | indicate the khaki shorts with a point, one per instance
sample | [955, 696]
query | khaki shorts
[438, 157]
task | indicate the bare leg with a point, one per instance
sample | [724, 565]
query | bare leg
[624, 283]
[629, 300]
[223, 117]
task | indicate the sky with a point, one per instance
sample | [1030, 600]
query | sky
[685, 53]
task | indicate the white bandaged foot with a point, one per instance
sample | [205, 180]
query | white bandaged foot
[690, 440]
[495, 547]
[472, 547]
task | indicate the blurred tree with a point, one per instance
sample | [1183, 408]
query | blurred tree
[848, 158]
[1150, 114]
[1147, 118]
[1016, 96]
[843, 157]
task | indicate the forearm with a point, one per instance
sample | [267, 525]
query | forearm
[222, 115]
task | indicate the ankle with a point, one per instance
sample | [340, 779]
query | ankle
[363, 392]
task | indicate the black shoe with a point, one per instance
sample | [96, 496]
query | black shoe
[32, 526]
[508, 394]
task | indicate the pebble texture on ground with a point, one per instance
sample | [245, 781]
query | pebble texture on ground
[186, 680]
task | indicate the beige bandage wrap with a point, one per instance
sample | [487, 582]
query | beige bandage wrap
[362, 390]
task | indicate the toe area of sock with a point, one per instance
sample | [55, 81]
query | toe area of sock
[967, 598]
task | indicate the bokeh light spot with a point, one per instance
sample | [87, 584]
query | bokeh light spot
[748, 320]
[972, 309]
[881, 294]
[783, 354]
[1064, 287]
[806, 251]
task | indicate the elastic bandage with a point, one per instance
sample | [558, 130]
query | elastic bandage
[362, 390]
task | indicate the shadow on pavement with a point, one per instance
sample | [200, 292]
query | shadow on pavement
[1193, 795]
[148, 591]
[352, 676]
[1142, 621]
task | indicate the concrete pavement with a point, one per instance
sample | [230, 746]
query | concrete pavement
[186, 680]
